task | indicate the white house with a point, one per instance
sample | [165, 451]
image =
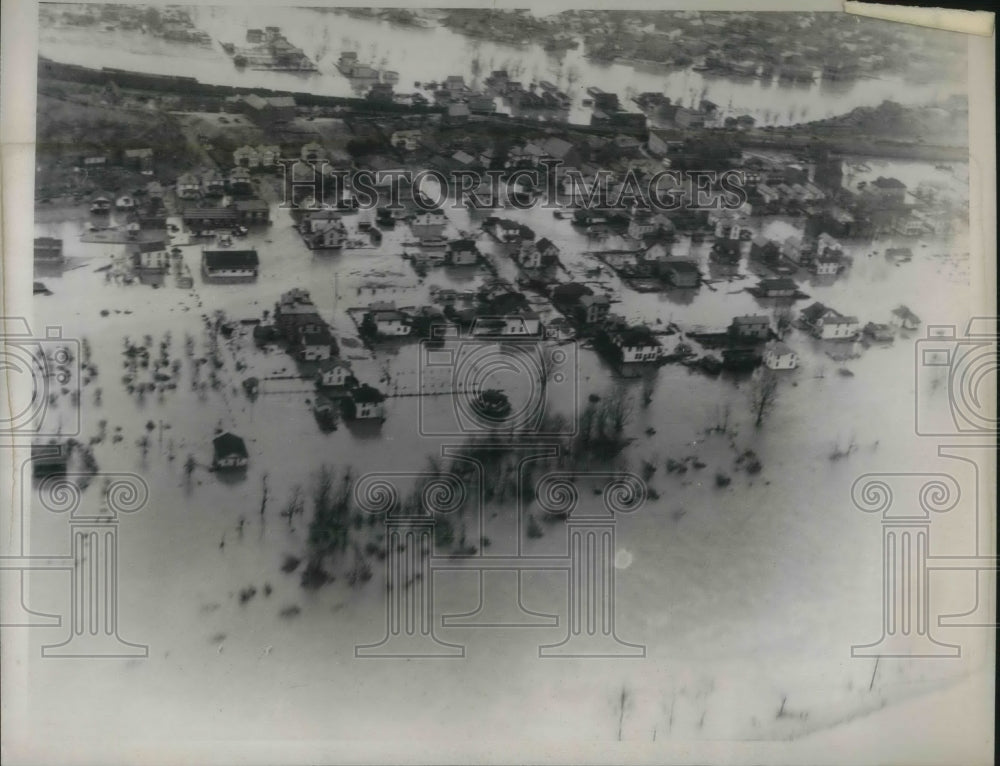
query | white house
[150, 255]
[778, 356]
[429, 225]
[316, 346]
[637, 344]
[390, 322]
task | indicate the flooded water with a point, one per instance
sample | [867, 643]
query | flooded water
[423, 55]
[748, 596]
[779, 567]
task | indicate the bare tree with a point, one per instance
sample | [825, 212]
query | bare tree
[763, 395]
[619, 407]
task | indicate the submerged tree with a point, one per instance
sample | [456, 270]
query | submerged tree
[763, 395]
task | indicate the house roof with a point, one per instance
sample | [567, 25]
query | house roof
[152, 246]
[544, 243]
[681, 266]
[251, 204]
[888, 183]
[781, 283]
[367, 394]
[461, 245]
[230, 259]
[779, 348]
[227, 444]
[333, 364]
[637, 336]
[752, 319]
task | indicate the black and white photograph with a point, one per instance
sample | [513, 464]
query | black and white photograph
[508, 383]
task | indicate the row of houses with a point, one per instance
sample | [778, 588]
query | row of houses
[212, 183]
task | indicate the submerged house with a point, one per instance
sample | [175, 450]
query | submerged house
[364, 403]
[827, 324]
[778, 356]
[230, 452]
[48, 250]
[229, 265]
[462, 252]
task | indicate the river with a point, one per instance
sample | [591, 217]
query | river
[431, 54]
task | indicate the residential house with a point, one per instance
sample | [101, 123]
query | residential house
[240, 181]
[751, 326]
[313, 152]
[407, 140]
[765, 250]
[246, 157]
[454, 83]
[48, 250]
[879, 332]
[828, 264]
[778, 356]
[188, 186]
[154, 194]
[230, 452]
[323, 229]
[636, 345]
[885, 193]
[213, 184]
[429, 225]
[521, 323]
[333, 373]
[269, 155]
[202, 218]
[680, 272]
[314, 343]
[385, 320]
[140, 159]
[559, 329]
[593, 309]
[462, 252]
[780, 287]
[364, 403]
[506, 230]
[537, 255]
[230, 265]
[252, 212]
[828, 324]
[149, 256]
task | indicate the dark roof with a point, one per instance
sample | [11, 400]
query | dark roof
[462, 244]
[230, 259]
[681, 266]
[544, 243]
[251, 204]
[229, 444]
[150, 247]
[197, 213]
[814, 312]
[366, 393]
[888, 183]
[781, 283]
